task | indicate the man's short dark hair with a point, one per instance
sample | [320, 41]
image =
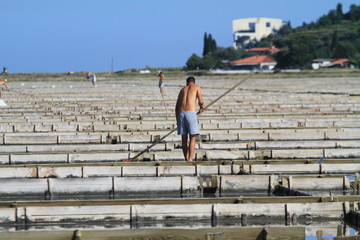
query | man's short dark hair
[190, 79]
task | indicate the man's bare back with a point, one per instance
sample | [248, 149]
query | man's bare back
[187, 99]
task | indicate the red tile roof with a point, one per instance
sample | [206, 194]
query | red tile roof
[263, 49]
[339, 61]
[254, 59]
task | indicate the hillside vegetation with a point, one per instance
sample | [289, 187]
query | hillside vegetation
[334, 35]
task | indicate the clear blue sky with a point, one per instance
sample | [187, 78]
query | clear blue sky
[85, 35]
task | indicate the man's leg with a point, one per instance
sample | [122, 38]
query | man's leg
[184, 145]
[162, 91]
[191, 150]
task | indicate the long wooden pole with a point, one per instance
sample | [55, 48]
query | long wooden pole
[198, 113]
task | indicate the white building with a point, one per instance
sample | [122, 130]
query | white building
[248, 29]
[334, 63]
[320, 63]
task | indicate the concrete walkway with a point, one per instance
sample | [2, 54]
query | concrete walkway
[66, 139]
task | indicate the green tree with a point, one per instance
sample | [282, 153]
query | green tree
[228, 53]
[334, 17]
[283, 59]
[208, 62]
[356, 58]
[206, 45]
[240, 41]
[209, 45]
[212, 43]
[354, 13]
[285, 29]
[194, 62]
[357, 27]
[339, 11]
[322, 52]
[334, 42]
[324, 21]
[300, 52]
[345, 50]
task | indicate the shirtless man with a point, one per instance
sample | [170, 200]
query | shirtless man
[3, 82]
[161, 82]
[186, 116]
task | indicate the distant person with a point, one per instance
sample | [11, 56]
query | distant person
[161, 82]
[186, 117]
[4, 71]
[92, 77]
[3, 82]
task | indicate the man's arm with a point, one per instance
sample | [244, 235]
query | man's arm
[7, 87]
[178, 105]
[200, 100]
